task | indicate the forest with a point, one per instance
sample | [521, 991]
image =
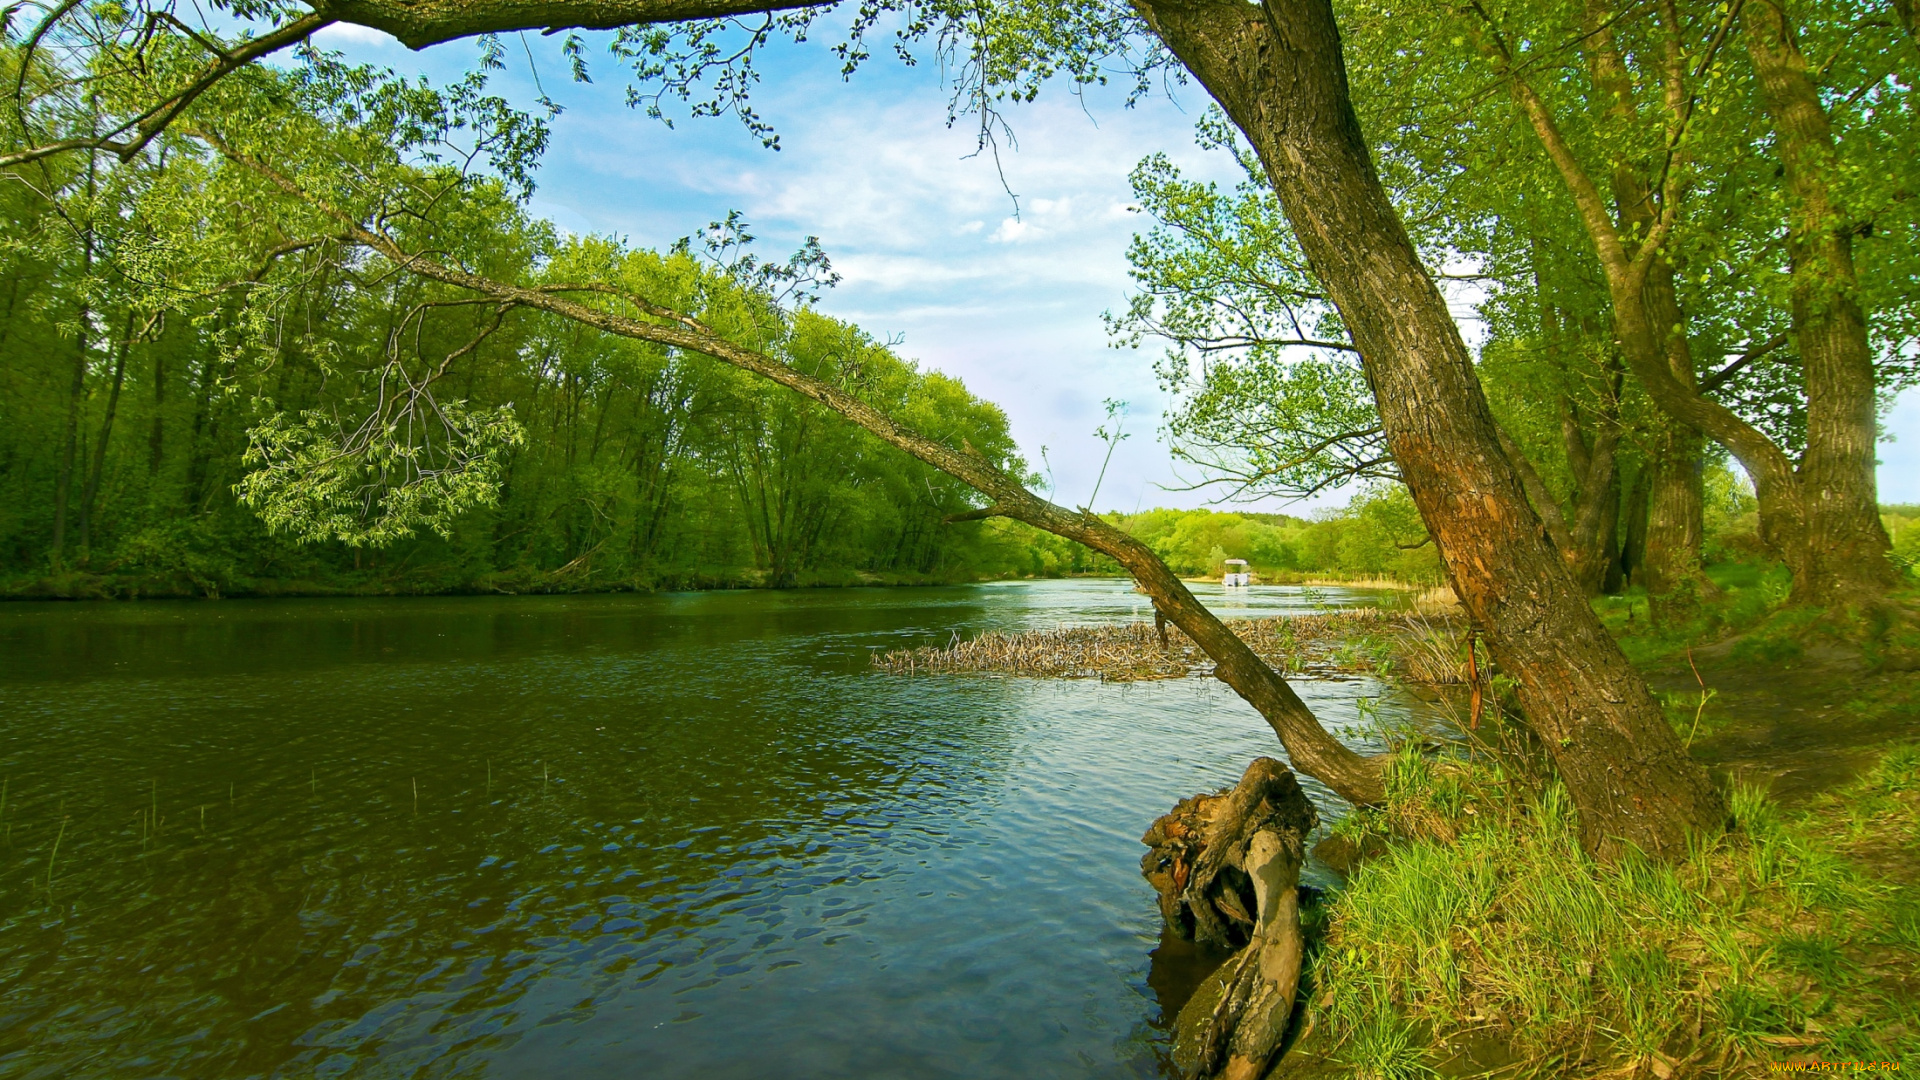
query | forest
[276, 322]
[135, 418]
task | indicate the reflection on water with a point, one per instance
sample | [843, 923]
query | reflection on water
[609, 836]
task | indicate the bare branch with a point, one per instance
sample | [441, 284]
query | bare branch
[1739, 363]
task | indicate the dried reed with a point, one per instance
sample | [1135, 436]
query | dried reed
[1421, 648]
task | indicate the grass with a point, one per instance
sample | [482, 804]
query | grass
[1486, 926]
[1750, 594]
[1752, 616]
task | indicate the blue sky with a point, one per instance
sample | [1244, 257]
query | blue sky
[920, 227]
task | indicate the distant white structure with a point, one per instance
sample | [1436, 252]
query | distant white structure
[1236, 573]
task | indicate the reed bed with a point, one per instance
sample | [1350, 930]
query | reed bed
[1428, 649]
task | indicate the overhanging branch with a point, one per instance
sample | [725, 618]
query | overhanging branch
[1312, 748]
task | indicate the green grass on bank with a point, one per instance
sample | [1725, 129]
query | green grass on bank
[1748, 612]
[1488, 939]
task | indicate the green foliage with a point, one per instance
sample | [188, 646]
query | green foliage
[1378, 534]
[1268, 397]
[216, 392]
[1731, 515]
[1901, 523]
[310, 485]
[1475, 180]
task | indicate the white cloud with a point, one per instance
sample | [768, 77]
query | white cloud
[1012, 231]
[921, 227]
[343, 35]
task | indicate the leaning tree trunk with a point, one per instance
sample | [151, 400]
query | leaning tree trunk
[1278, 72]
[1847, 541]
[1227, 868]
[1312, 748]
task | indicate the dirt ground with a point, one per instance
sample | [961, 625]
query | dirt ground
[1799, 727]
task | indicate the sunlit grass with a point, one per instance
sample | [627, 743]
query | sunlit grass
[1788, 937]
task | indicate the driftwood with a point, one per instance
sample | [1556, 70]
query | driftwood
[1227, 868]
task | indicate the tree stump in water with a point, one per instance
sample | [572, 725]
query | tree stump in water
[1227, 868]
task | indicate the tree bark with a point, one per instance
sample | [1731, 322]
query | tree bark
[1278, 72]
[1849, 544]
[92, 489]
[1676, 526]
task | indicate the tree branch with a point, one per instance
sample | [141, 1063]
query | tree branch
[148, 125]
[1720, 378]
[419, 23]
[981, 514]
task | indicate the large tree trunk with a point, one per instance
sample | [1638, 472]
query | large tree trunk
[1278, 72]
[1676, 525]
[1849, 544]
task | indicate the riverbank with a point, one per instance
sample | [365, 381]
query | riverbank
[1484, 941]
[1473, 936]
[79, 585]
[1479, 939]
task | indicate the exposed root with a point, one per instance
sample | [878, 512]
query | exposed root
[1227, 868]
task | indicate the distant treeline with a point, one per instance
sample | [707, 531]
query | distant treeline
[125, 438]
[1378, 534]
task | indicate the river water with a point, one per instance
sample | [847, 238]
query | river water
[661, 836]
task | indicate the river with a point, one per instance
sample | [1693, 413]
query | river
[614, 836]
